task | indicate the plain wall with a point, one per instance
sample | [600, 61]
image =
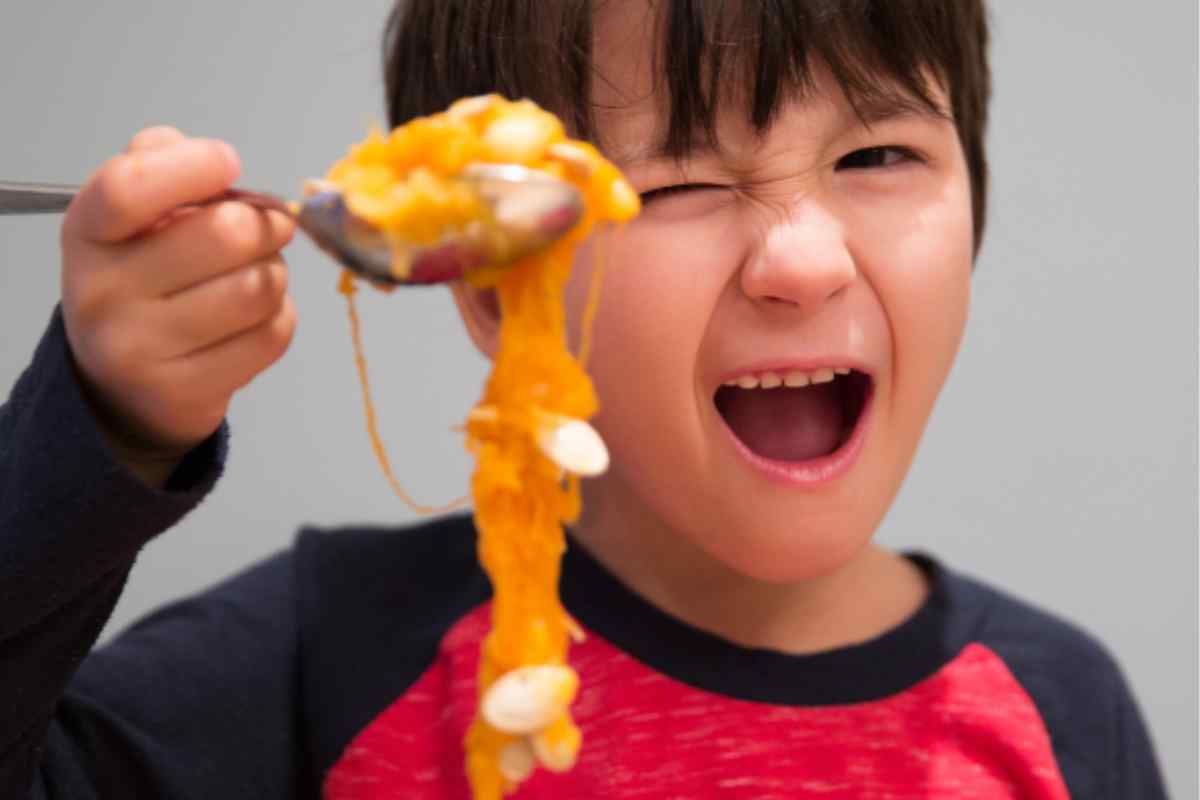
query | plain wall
[1061, 461]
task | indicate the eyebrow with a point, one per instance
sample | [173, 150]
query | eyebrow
[866, 112]
[873, 110]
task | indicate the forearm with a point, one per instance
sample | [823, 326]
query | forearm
[72, 519]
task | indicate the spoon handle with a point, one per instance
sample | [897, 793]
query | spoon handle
[53, 198]
[34, 198]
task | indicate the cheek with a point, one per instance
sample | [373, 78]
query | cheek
[649, 317]
[924, 284]
[654, 306]
[623, 298]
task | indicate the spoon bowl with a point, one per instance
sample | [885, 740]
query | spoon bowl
[528, 210]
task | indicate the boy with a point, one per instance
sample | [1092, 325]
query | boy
[813, 180]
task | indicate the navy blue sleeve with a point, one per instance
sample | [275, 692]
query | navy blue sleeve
[1136, 771]
[197, 700]
[1100, 741]
[72, 520]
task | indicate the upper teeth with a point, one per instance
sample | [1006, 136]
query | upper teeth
[792, 378]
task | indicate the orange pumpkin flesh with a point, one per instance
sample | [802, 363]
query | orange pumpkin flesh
[402, 183]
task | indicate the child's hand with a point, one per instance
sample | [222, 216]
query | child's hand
[170, 310]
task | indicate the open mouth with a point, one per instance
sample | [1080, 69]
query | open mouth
[794, 423]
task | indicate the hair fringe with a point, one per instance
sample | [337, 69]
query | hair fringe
[709, 52]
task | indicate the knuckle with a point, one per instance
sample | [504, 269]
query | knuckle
[236, 226]
[221, 155]
[153, 136]
[280, 330]
[254, 283]
[277, 276]
[265, 283]
[283, 228]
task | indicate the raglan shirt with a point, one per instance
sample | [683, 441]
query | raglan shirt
[343, 667]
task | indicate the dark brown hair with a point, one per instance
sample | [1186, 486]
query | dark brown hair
[879, 51]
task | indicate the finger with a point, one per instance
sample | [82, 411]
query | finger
[154, 138]
[229, 304]
[231, 363]
[168, 219]
[131, 191]
[201, 245]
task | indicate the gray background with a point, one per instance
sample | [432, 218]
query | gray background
[1061, 461]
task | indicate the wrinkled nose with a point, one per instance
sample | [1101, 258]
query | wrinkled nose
[802, 260]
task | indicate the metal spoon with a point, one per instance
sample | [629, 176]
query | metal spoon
[529, 210]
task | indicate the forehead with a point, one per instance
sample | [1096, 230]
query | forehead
[626, 106]
[624, 34]
[632, 105]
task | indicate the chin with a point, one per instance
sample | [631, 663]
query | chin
[784, 554]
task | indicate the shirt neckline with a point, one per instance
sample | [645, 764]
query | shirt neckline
[888, 664]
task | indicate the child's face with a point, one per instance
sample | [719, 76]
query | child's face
[784, 251]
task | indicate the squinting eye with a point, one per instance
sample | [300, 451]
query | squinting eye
[874, 157]
[664, 192]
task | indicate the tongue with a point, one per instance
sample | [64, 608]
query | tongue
[785, 424]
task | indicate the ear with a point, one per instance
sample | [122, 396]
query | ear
[480, 312]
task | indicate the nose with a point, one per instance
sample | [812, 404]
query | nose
[802, 260]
